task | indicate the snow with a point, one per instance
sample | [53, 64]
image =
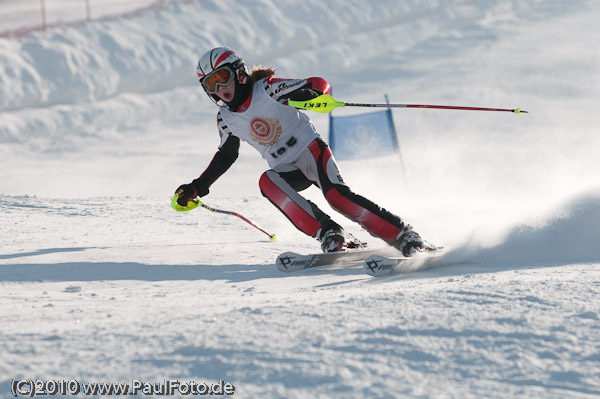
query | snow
[100, 280]
[24, 17]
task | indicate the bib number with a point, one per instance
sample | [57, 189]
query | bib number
[290, 143]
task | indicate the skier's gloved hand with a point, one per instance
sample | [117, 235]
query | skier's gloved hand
[304, 94]
[188, 192]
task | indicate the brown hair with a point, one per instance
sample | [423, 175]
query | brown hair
[258, 73]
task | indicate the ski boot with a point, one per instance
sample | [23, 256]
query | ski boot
[409, 242]
[332, 239]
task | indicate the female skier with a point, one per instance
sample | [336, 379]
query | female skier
[253, 107]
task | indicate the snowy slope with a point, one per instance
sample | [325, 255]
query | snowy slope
[101, 281]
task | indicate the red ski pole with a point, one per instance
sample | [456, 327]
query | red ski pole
[326, 103]
[196, 203]
[272, 237]
[516, 110]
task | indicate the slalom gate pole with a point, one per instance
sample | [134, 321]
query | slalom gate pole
[196, 203]
[326, 103]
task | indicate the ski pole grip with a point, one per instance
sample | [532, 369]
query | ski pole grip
[190, 205]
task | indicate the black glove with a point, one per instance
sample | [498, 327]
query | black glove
[304, 94]
[188, 192]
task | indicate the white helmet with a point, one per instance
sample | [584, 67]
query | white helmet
[223, 58]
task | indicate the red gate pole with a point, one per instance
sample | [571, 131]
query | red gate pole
[44, 23]
[88, 10]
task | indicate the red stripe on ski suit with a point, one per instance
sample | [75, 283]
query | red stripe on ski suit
[370, 221]
[298, 216]
[341, 201]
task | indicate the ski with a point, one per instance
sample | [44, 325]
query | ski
[378, 265]
[291, 261]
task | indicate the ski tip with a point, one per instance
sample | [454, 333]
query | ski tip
[378, 266]
[291, 261]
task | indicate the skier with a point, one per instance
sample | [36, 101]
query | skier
[253, 107]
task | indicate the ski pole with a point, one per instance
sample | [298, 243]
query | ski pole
[326, 103]
[196, 202]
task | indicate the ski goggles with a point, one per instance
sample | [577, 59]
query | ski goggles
[219, 77]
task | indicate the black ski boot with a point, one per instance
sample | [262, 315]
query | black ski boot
[332, 239]
[409, 242]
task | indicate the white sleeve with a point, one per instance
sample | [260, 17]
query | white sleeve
[279, 89]
[224, 130]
